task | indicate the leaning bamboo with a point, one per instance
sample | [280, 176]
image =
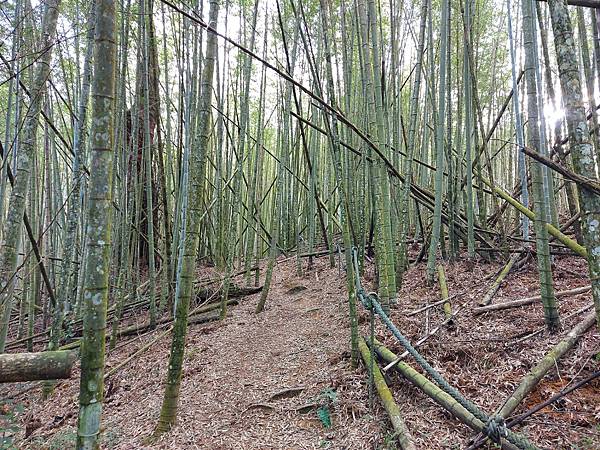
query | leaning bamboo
[586, 182]
[536, 374]
[387, 399]
[434, 392]
[571, 243]
[529, 300]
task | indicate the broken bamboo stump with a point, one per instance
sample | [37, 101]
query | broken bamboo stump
[447, 306]
[53, 365]
[489, 295]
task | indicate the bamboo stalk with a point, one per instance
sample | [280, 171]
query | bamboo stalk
[434, 392]
[387, 399]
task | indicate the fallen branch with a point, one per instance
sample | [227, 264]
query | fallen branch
[529, 300]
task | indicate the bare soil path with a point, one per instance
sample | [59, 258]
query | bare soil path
[251, 382]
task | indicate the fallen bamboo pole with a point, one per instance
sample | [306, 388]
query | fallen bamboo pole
[529, 300]
[489, 295]
[199, 315]
[387, 399]
[138, 352]
[536, 374]
[435, 393]
[53, 365]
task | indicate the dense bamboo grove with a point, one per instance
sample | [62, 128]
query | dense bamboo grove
[143, 138]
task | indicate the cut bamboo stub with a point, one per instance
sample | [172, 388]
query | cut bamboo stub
[447, 306]
[529, 300]
[387, 399]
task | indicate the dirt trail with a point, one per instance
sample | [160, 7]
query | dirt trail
[232, 374]
[246, 378]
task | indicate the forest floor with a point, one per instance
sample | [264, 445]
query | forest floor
[258, 381]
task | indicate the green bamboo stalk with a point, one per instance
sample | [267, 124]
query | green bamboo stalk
[98, 235]
[439, 146]
[542, 216]
[582, 150]
[12, 225]
[168, 413]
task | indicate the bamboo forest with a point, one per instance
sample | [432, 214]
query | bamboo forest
[299, 224]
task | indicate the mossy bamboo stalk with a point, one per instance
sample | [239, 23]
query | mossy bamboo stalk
[169, 407]
[99, 214]
[387, 399]
[582, 150]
